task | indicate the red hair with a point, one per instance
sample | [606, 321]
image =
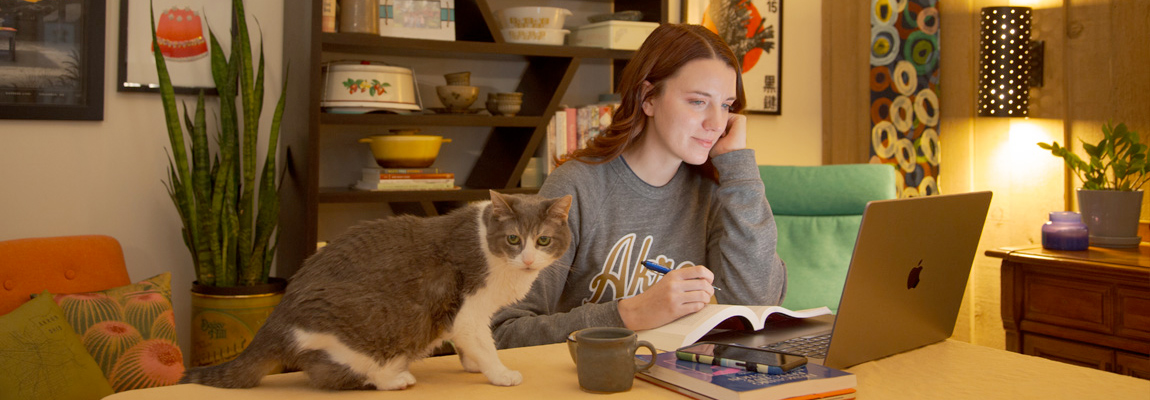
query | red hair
[660, 57]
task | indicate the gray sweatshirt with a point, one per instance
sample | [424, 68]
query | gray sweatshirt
[617, 221]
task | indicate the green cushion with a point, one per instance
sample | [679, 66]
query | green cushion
[817, 251]
[130, 330]
[827, 189]
[42, 358]
[818, 211]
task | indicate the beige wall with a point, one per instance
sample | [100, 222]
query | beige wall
[794, 137]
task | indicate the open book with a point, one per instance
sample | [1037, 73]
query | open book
[690, 328]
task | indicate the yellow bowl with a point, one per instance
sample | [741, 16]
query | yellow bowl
[405, 151]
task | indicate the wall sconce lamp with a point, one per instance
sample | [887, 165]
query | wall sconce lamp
[1009, 63]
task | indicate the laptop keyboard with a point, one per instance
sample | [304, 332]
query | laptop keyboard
[809, 346]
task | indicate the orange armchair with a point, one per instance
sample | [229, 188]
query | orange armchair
[63, 264]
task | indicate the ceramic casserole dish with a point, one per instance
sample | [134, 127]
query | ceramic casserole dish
[356, 87]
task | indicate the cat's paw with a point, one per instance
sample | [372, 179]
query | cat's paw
[398, 382]
[505, 378]
[469, 364]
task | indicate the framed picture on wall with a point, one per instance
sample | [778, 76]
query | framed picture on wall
[52, 60]
[754, 30]
[182, 33]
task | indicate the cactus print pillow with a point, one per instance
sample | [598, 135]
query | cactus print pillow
[40, 358]
[130, 331]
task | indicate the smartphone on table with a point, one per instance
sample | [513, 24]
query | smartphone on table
[735, 356]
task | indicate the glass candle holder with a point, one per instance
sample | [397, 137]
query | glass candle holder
[1065, 231]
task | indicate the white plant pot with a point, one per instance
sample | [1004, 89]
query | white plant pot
[1111, 216]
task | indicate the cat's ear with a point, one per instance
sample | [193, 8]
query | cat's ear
[560, 207]
[500, 208]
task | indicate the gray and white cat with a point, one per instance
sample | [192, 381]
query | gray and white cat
[388, 292]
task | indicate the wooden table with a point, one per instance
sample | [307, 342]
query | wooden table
[948, 369]
[1089, 308]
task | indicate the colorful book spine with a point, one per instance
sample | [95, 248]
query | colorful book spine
[409, 184]
[409, 171]
[572, 130]
[441, 175]
[560, 136]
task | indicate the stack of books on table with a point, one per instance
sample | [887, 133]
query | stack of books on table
[705, 381]
[405, 179]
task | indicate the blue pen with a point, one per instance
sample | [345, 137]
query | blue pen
[651, 265]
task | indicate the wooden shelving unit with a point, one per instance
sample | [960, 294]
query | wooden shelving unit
[511, 143]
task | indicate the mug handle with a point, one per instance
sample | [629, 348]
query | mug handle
[654, 353]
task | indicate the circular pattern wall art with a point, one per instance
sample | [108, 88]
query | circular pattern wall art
[904, 92]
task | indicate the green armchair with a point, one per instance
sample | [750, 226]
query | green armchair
[818, 211]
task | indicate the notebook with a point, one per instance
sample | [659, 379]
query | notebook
[905, 284]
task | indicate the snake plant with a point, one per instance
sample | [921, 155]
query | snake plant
[228, 226]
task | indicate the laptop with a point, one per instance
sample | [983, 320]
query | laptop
[904, 287]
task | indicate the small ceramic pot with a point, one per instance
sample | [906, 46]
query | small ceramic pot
[507, 109]
[458, 78]
[507, 96]
[457, 98]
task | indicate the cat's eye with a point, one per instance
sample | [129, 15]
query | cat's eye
[543, 241]
[513, 239]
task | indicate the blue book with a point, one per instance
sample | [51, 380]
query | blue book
[810, 381]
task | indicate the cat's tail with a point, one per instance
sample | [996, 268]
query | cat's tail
[246, 370]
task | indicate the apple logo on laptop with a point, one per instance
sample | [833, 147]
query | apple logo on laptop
[913, 278]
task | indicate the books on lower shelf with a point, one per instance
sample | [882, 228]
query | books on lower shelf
[703, 381]
[399, 179]
[571, 127]
[688, 329]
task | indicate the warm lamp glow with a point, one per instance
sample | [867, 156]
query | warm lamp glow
[1027, 161]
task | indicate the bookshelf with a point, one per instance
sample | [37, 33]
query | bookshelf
[511, 141]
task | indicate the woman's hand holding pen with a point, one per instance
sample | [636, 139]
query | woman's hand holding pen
[680, 292]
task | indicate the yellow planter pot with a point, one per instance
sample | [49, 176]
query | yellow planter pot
[225, 319]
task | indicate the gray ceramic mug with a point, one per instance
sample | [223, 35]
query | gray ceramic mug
[605, 359]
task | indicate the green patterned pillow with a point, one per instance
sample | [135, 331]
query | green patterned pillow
[130, 331]
[42, 359]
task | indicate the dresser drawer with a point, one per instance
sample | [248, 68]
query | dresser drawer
[1069, 352]
[1133, 313]
[1074, 303]
[1136, 365]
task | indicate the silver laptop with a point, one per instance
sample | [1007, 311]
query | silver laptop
[906, 280]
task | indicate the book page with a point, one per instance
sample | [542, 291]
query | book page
[690, 328]
[765, 312]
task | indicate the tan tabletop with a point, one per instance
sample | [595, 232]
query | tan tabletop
[949, 369]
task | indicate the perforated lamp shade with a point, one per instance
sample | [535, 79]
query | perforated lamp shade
[1004, 62]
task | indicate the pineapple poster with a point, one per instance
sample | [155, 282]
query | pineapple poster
[753, 29]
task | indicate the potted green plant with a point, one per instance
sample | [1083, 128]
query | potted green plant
[229, 226]
[1111, 196]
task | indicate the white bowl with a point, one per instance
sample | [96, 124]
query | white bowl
[535, 36]
[532, 17]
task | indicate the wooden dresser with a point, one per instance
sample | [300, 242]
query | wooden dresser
[1089, 308]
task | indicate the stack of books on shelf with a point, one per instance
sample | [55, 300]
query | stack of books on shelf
[386, 179]
[705, 381]
[571, 127]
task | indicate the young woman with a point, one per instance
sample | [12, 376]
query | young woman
[670, 181]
